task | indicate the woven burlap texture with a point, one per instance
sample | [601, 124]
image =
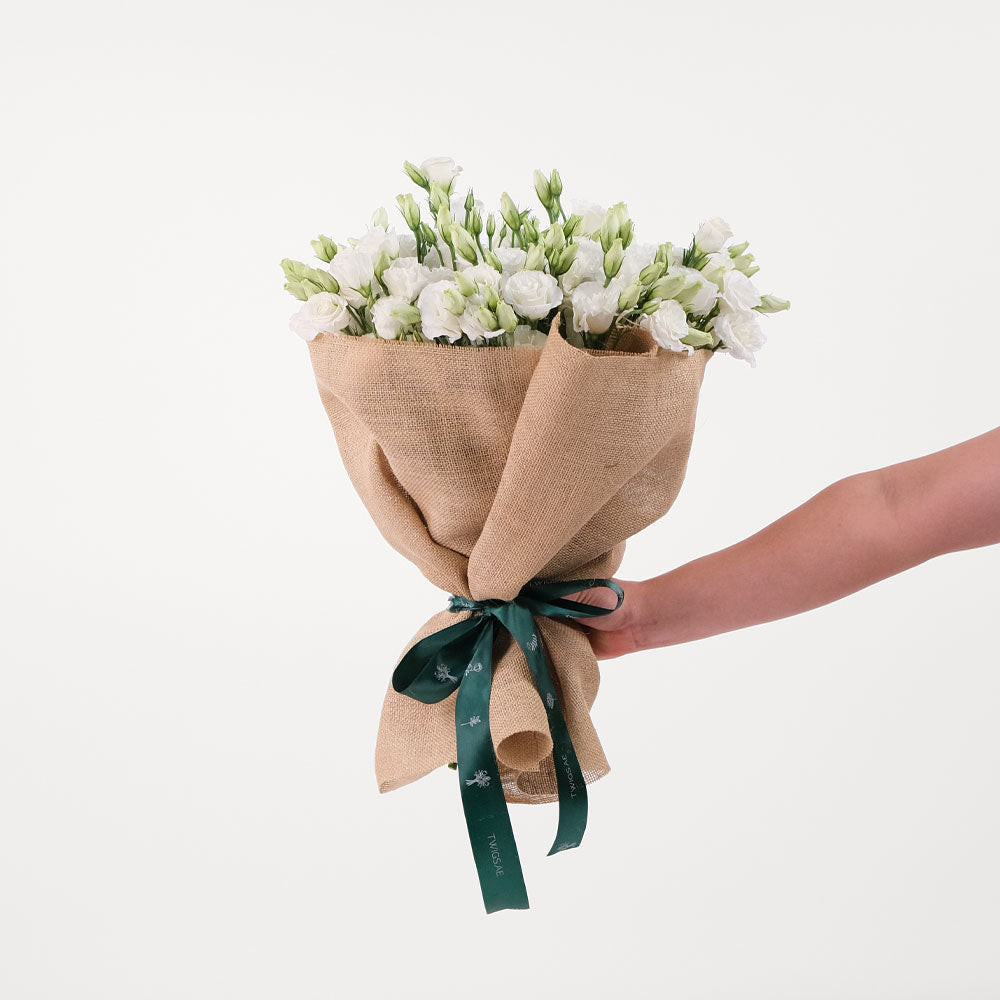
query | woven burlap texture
[489, 467]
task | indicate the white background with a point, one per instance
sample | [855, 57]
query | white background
[200, 618]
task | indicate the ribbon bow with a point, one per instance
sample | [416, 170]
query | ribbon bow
[460, 657]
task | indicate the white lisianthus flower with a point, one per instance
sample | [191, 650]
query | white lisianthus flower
[435, 318]
[741, 334]
[713, 235]
[407, 244]
[440, 170]
[323, 312]
[406, 277]
[594, 306]
[441, 274]
[484, 274]
[588, 265]
[706, 295]
[354, 269]
[667, 325]
[379, 239]
[675, 257]
[388, 326]
[524, 336]
[637, 256]
[512, 259]
[716, 261]
[592, 214]
[738, 292]
[532, 294]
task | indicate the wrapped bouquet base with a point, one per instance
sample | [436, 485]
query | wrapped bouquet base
[491, 469]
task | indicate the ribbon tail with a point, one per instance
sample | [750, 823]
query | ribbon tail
[570, 783]
[486, 815]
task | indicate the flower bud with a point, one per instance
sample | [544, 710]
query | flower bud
[416, 175]
[444, 221]
[494, 261]
[509, 212]
[663, 252]
[743, 263]
[652, 272]
[295, 289]
[630, 297]
[668, 287]
[698, 338]
[439, 198]
[529, 227]
[627, 231]
[465, 284]
[475, 222]
[555, 238]
[409, 209]
[772, 304]
[310, 287]
[572, 225]
[491, 225]
[555, 184]
[542, 189]
[506, 316]
[470, 201]
[738, 249]
[609, 229]
[465, 245]
[613, 258]
[380, 217]
[407, 314]
[751, 271]
[564, 260]
[650, 307]
[324, 248]
[454, 301]
[382, 261]
[490, 296]
[428, 235]
[535, 260]
[487, 319]
[323, 279]
[294, 270]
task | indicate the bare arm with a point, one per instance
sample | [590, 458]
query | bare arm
[856, 532]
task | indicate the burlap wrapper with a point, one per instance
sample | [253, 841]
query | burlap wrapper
[489, 467]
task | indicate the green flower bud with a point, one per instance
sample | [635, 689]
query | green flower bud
[529, 227]
[555, 184]
[295, 289]
[627, 231]
[751, 271]
[564, 260]
[668, 287]
[409, 209]
[613, 258]
[487, 319]
[509, 212]
[630, 297]
[536, 258]
[475, 222]
[310, 287]
[382, 261]
[555, 238]
[407, 314]
[444, 221]
[744, 262]
[571, 225]
[542, 189]
[453, 301]
[650, 307]
[428, 235]
[663, 252]
[698, 338]
[324, 248]
[506, 316]
[491, 225]
[465, 284]
[465, 245]
[416, 175]
[490, 297]
[772, 304]
[652, 272]
[294, 270]
[738, 249]
[325, 281]
[380, 217]
[687, 294]
[609, 229]
[470, 201]
[494, 261]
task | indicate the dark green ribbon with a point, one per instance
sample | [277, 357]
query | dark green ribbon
[460, 658]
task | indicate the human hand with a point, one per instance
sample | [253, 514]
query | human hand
[617, 633]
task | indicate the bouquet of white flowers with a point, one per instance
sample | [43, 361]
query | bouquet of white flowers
[456, 279]
[513, 476]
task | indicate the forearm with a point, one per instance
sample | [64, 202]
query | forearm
[845, 538]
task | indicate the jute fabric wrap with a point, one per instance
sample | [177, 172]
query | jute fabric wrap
[488, 467]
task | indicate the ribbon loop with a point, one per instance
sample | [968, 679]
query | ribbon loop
[460, 658]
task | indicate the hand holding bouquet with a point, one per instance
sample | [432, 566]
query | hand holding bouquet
[513, 475]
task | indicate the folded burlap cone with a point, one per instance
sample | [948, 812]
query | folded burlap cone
[489, 467]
